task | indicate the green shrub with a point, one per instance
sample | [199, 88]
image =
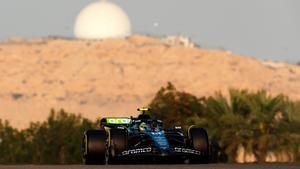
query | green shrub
[55, 141]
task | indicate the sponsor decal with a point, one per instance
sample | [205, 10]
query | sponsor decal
[137, 151]
[118, 121]
[186, 150]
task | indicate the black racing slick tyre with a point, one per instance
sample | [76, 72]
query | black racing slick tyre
[94, 145]
[118, 143]
[199, 141]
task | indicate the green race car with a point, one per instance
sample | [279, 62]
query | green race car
[144, 140]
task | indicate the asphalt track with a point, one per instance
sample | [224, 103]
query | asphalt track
[204, 166]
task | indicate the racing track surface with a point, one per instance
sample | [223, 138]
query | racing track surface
[204, 166]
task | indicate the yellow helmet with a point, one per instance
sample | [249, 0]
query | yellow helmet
[142, 126]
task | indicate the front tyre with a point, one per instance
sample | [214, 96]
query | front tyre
[198, 139]
[118, 143]
[94, 146]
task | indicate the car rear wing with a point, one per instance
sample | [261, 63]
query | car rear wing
[115, 121]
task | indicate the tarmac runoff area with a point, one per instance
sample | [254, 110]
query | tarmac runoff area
[201, 166]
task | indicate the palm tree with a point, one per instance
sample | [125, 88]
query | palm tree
[226, 121]
[256, 121]
[291, 128]
[267, 121]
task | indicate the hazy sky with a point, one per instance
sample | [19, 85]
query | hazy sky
[266, 29]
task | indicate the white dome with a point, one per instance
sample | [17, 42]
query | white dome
[102, 20]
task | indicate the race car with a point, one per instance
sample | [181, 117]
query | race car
[144, 140]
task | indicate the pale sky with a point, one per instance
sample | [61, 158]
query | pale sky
[265, 29]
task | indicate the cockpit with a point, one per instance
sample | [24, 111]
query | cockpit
[146, 125]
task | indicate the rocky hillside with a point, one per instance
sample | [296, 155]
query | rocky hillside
[114, 77]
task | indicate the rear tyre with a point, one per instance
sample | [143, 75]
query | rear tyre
[94, 146]
[118, 143]
[198, 139]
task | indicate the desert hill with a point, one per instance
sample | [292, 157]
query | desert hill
[113, 77]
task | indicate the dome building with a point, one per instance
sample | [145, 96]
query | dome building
[101, 20]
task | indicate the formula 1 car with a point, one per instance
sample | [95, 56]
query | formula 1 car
[144, 140]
